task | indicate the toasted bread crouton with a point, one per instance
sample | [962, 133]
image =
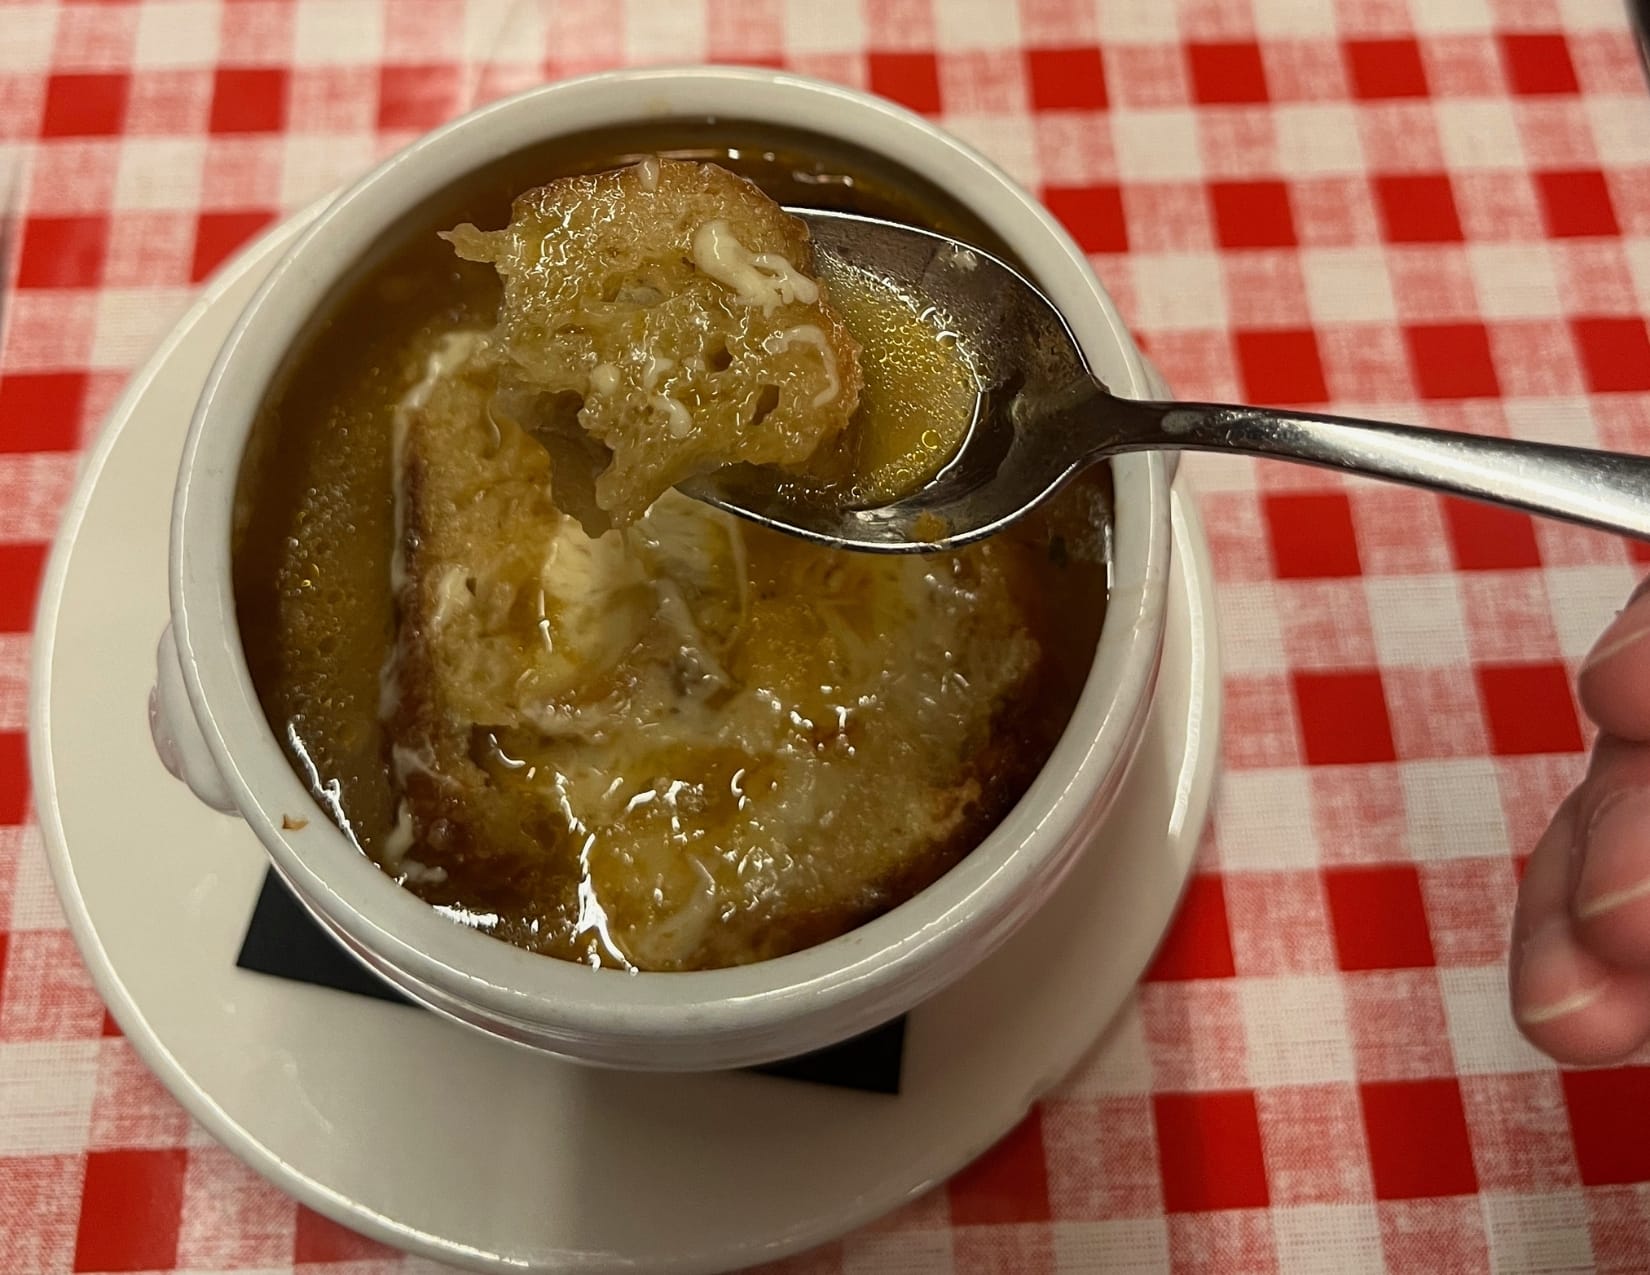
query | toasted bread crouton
[675, 301]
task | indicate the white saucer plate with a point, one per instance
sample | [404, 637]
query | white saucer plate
[430, 1137]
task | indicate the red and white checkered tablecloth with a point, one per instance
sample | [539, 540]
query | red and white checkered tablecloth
[1432, 210]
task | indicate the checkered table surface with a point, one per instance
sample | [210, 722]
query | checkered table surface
[1432, 210]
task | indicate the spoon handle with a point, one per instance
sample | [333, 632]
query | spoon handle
[1608, 490]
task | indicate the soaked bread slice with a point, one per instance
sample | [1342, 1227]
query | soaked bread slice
[671, 306]
[687, 744]
[519, 636]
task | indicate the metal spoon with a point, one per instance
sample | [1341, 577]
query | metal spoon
[1042, 417]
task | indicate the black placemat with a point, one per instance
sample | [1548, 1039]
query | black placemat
[283, 940]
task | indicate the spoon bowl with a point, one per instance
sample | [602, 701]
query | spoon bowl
[1041, 416]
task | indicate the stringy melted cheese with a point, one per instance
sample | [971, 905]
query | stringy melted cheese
[766, 280]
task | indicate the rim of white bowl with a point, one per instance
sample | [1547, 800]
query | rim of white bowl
[976, 899]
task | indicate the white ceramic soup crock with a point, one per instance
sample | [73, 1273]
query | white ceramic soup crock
[217, 736]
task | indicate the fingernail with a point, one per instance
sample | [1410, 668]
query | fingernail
[1616, 870]
[1551, 982]
[1618, 638]
[1576, 1001]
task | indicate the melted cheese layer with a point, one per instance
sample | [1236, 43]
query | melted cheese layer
[707, 740]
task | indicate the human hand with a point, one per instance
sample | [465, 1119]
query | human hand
[1580, 968]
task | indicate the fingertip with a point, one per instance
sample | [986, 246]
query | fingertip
[1610, 1030]
[1572, 1006]
[1620, 936]
[1614, 685]
[1610, 903]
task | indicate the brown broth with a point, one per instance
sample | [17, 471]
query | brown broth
[315, 515]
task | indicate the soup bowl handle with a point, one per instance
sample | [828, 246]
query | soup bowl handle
[177, 735]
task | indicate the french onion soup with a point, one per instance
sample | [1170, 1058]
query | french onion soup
[567, 705]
